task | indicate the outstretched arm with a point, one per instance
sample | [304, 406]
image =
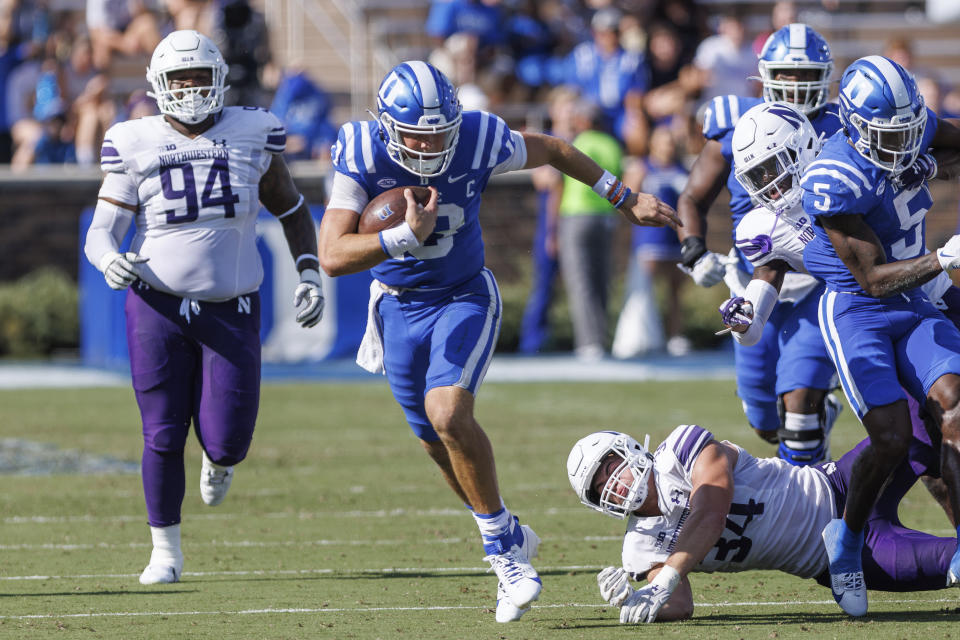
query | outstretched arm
[860, 249]
[638, 208]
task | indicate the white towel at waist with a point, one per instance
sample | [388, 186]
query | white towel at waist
[370, 353]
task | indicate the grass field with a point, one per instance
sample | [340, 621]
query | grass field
[339, 526]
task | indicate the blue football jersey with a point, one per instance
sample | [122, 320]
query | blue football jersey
[842, 182]
[454, 252]
[719, 120]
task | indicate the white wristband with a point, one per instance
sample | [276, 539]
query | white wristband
[668, 578]
[604, 184]
[398, 240]
[310, 275]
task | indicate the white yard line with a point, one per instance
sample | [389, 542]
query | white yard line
[299, 515]
[88, 546]
[127, 614]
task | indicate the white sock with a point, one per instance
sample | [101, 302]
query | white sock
[493, 525]
[166, 544]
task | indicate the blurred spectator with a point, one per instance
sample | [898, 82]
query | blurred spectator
[687, 19]
[481, 18]
[727, 60]
[240, 32]
[535, 326]
[304, 108]
[674, 85]
[126, 27]
[138, 105]
[612, 78]
[191, 14]
[532, 44]
[56, 142]
[11, 55]
[586, 227]
[784, 12]
[900, 50]
[656, 252]
[45, 138]
[92, 105]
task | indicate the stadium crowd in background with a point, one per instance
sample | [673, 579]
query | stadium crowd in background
[70, 69]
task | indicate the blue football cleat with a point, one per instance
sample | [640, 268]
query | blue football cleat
[846, 569]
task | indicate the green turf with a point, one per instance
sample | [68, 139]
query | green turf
[339, 526]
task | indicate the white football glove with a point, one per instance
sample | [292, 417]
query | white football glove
[645, 603]
[949, 254]
[708, 270]
[120, 270]
[614, 586]
[309, 291]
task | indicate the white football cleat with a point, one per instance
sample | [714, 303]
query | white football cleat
[519, 579]
[214, 481]
[164, 570]
[506, 610]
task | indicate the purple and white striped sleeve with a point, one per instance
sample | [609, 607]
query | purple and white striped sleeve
[687, 441]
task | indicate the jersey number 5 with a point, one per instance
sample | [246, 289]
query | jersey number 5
[219, 173]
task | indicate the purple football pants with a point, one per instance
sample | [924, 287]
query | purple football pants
[896, 558]
[188, 366]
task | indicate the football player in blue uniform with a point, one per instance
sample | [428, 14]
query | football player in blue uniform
[795, 66]
[434, 308]
[868, 196]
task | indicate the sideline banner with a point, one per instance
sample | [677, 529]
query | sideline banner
[103, 341]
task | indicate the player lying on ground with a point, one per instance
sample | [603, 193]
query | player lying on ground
[698, 504]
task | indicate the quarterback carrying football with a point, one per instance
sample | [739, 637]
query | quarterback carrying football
[434, 308]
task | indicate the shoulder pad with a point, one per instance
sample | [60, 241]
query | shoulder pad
[723, 113]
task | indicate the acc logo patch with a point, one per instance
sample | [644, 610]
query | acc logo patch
[386, 183]
[880, 187]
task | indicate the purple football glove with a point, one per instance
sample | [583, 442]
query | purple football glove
[923, 168]
[736, 312]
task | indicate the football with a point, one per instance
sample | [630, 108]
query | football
[389, 209]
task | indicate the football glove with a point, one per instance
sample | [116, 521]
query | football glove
[120, 269]
[949, 254]
[310, 292]
[923, 168]
[645, 603]
[736, 312]
[708, 270]
[614, 586]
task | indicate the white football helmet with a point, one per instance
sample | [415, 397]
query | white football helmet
[187, 49]
[772, 144]
[618, 498]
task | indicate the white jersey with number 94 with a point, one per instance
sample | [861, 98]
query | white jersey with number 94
[197, 199]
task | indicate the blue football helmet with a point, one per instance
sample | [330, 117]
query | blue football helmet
[796, 49]
[882, 112]
[416, 99]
